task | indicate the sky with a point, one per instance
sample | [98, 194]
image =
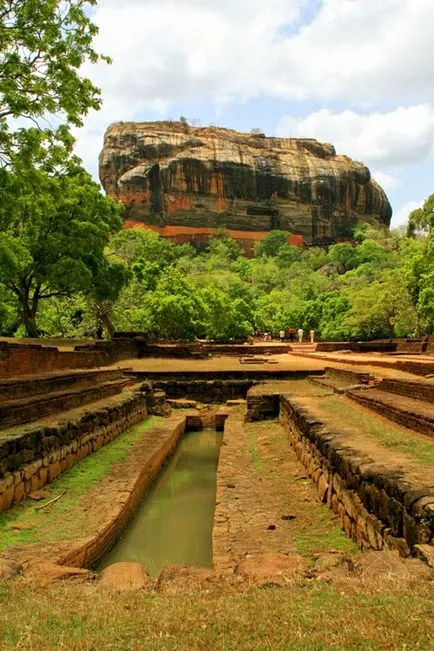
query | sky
[356, 73]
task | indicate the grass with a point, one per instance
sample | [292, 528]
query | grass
[388, 436]
[310, 617]
[256, 456]
[45, 524]
[324, 535]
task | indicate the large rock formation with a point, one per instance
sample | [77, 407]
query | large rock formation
[183, 182]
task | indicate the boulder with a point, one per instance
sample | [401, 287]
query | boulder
[52, 572]
[122, 577]
[184, 182]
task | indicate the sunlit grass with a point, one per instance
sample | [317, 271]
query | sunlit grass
[389, 436]
[65, 518]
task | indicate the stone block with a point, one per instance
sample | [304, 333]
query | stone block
[8, 497]
[323, 488]
[19, 492]
[7, 480]
[398, 544]
[34, 483]
[53, 471]
[425, 553]
[43, 475]
[335, 503]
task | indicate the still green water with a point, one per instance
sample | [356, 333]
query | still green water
[174, 523]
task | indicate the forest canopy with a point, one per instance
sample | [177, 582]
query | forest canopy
[379, 286]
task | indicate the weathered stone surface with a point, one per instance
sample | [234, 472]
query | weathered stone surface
[183, 182]
[273, 568]
[328, 565]
[425, 553]
[51, 572]
[125, 576]
[176, 578]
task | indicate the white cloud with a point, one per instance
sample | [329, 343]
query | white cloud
[362, 53]
[399, 137]
[387, 181]
[358, 50]
[400, 216]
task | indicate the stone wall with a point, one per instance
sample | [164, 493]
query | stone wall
[25, 359]
[379, 346]
[208, 391]
[421, 390]
[345, 377]
[38, 456]
[376, 507]
[186, 350]
[31, 359]
[262, 403]
[86, 553]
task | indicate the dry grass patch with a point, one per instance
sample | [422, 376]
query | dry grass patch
[225, 616]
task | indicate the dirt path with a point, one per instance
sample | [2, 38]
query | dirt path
[265, 502]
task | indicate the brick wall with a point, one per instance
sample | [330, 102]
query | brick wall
[29, 359]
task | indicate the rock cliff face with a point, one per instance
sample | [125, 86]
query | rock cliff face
[184, 182]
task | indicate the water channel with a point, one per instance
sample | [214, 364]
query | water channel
[174, 523]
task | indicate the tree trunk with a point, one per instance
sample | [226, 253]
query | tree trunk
[29, 319]
[103, 314]
[108, 325]
[417, 325]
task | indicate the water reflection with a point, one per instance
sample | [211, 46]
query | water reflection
[174, 523]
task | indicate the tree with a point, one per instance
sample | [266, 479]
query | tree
[221, 244]
[345, 254]
[287, 255]
[44, 44]
[271, 244]
[422, 219]
[53, 231]
[176, 308]
[380, 309]
[225, 318]
[107, 283]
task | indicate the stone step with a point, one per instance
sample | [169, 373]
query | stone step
[419, 389]
[303, 348]
[409, 412]
[24, 410]
[32, 385]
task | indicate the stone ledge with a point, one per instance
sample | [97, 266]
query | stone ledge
[376, 506]
[86, 553]
[38, 456]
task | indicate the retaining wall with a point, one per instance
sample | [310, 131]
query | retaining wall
[376, 507]
[24, 359]
[88, 552]
[38, 456]
[419, 390]
[215, 391]
[28, 359]
[345, 377]
[380, 346]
